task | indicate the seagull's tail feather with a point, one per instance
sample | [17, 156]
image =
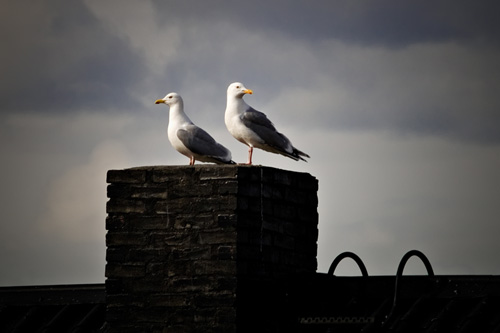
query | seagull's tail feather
[220, 160]
[297, 153]
[217, 161]
[300, 153]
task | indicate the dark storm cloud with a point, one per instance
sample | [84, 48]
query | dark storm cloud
[387, 22]
[396, 23]
[58, 57]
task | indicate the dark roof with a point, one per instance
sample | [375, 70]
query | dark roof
[324, 303]
[57, 308]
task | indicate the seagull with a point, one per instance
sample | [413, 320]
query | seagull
[253, 128]
[189, 139]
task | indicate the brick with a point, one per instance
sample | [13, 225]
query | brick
[187, 190]
[130, 239]
[116, 222]
[226, 315]
[202, 267]
[226, 252]
[158, 222]
[180, 268]
[195, 221]
[168, 300]
[125, 206]
[130, 176]
[146, 285]
[205, 316]
[193, 284]
[218, 172]
[161, 207]
[148, 254]
[119, 191]
[156, 269]
[149, 192]
[227, 220]
[184, 222]
[227, 187]
[126, 222]
[192, 253]
[227, 283]
[212, 204]
[124, 271]
[199, 205]
[116, 255]
[114, 286]
[211, 299]
[161, 239]
[173, 173]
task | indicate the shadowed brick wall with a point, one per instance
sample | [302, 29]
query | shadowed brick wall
[192, 249]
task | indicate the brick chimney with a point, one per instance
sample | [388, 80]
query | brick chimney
[205, 248]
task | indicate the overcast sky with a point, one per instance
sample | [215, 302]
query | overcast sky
[397, 102]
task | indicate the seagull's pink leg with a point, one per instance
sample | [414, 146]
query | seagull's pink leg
[191, 160]
[250, 152]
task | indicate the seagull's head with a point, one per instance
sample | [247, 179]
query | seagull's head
[237, 89]
[170, 99]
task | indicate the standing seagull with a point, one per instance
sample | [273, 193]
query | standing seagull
[252, 127]
[190, 140]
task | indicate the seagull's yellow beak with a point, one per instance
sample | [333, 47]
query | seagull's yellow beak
[248, 91]
[159, 101]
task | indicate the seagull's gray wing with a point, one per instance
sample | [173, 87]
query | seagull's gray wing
[264, 128]
[201, 143]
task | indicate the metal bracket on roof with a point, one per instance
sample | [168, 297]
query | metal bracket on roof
[399, 274]
[410, 254]
[351, 255]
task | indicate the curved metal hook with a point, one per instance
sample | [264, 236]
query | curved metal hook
[351, 255]
[410, 254]
[399, 274]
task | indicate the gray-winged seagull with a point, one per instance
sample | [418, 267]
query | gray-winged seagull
[190, 140]
[253, 128]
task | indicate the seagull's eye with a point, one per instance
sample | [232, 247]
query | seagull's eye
[169, 96]
[237, 87]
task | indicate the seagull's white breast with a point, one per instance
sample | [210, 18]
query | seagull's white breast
[176, 142]
[236, 127]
